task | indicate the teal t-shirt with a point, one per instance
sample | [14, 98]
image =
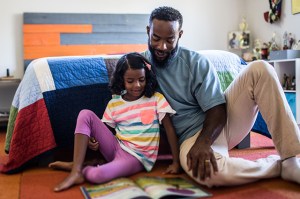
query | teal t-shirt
[191, 86]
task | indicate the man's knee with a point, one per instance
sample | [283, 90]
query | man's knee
[262, 68]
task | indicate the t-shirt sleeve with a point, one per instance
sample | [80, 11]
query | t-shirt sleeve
[163, 107]
[107, 116]
[208, 90]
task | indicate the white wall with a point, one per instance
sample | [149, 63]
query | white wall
[201, 29]
[206, 22]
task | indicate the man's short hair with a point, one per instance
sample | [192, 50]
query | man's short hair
[167, 14]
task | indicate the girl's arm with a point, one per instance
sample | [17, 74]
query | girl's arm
[173, 142]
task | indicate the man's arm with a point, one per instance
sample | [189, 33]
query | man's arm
[201, 157]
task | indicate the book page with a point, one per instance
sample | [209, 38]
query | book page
[119, 188]
[158, 187]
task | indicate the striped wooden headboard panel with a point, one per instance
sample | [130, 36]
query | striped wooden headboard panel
[66, 34]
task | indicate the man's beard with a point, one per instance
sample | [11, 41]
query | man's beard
[162, 63]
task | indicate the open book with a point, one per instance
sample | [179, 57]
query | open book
[144, 187]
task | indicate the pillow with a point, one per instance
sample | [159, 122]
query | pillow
[227, 64]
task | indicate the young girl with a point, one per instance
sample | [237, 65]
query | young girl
[135, 112]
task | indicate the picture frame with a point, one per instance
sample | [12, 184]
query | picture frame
[239, 40]
[295, 7]
[233, 40]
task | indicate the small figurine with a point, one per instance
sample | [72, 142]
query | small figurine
[293, 85]
[272, 44]
[265, 51]
[296, 45]
[284, 81]
[243, 25]
[291, 40]
[257, 50]
[288, 82]
[285, 39]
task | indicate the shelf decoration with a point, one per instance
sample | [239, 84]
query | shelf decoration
[295, 6]
[274, 13]
[240, 39]
[289, 82]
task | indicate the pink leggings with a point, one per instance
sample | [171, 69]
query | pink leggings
[119, 162]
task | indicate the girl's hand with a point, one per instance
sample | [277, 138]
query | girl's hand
[93, 144]
[174, 168]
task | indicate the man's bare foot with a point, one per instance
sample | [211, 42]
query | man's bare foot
[73, 179]
[66, 166]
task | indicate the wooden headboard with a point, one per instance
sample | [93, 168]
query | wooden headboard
[68, 34]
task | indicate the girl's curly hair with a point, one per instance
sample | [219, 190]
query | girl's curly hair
[133, 61]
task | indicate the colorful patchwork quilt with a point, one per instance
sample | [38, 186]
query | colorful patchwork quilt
[227, 64]
[46, 104]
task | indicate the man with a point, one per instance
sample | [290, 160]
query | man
[209, 122]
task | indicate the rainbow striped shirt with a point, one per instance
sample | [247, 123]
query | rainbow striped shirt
[137, 125]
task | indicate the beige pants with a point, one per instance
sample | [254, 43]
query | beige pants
[256, 88]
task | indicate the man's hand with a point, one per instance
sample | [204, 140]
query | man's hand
[201, 160]
[93, 144]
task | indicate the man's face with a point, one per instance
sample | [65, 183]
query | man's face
[163, 40]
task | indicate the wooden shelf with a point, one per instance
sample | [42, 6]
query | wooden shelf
[290, 67]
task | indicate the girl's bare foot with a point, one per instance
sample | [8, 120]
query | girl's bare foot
[73, 179]
[66, 166]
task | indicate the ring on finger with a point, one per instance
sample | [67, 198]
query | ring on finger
[207, 161]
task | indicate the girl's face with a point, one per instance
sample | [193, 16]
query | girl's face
[135, 82]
